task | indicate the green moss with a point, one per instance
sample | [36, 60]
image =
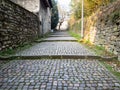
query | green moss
[112, 1]
[109, 67]
[99, 50]
[77, 36]
[9, 51]
[46, 35]
[114, 16]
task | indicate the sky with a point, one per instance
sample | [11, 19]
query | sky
[65, 4]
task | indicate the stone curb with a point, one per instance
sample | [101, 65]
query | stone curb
[109, 58]
[58, 36]
[60, 57]
[39, 41]
[7, 57]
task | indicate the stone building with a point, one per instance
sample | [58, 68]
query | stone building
[40, 7]
[45, 16]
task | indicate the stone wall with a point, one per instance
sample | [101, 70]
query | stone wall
[103, 28]
[17, 25]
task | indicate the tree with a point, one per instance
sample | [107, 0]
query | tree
[76, 8]
[55, 15]
[62, 14]
[90, 6]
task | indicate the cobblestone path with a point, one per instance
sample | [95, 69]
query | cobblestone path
[56, 74]
[60, 38]
[56, 48]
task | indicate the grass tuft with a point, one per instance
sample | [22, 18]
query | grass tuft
[111, 69]
[10, 51]
[77, 36]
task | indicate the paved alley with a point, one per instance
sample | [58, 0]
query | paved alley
[56, 74]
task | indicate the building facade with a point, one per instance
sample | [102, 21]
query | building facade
[45, 16]
[42, 8]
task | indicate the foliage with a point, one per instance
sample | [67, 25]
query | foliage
[55, 16]
[75, 26]
[90, 6]
[99, 50]
[114, 16]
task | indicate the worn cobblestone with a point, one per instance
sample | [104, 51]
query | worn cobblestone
[60, 38]
[57, 74]
[56, 48]
[60, 33]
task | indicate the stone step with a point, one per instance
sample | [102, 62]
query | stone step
[58, 57]
[38, 41]
[56, 48]
[59, 35]
[88, 57]
[57, 39]
[60, 38]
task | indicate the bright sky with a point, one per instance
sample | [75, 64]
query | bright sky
[65, 4]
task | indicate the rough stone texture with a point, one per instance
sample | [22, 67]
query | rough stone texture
[56, 48]
[17, 25]
[66, 74]
[103, 28]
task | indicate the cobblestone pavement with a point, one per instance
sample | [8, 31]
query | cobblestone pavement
[56, 74]
[56, 48]
[60, 33]
[65, 74]
[3, 62]
[60, 38]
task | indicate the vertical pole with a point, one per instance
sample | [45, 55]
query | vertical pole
[82, 19]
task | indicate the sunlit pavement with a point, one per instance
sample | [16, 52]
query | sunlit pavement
[56, 48]
[56, 74]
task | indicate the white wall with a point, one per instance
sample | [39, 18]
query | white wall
[31, 5]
